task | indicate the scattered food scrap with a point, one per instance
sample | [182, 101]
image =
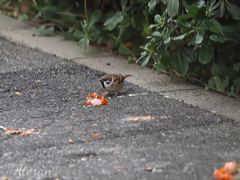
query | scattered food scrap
[38, 80]
[135, 118]
[11, 131]
[117, 167]
[95, 99]
[4, 178]
[87, 142]
[27, 132]
[18, 93]
[95, 135]
[71, 141]
[148, 168]
[230, 171]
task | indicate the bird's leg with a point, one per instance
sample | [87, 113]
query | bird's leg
[115, 95]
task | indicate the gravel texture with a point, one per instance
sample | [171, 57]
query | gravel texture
[178, 142]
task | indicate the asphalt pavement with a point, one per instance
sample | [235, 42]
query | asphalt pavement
[169, 140]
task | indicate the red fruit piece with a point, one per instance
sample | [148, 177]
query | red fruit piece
[231, 166]
[96, 102]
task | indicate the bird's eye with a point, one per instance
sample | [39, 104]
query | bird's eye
[107, 82]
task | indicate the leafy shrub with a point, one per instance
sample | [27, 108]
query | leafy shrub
[195, 39]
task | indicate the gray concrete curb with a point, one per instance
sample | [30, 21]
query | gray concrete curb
[98, 59]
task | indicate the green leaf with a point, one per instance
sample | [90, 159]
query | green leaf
[199, 37]
[22, 17]
[143, 54]
[100, 39]
[172, 8]
[38, 7]
[231, 72]
[94, 18]
[183, 23]
[211, 83]
[160, 67]
[157, 18]
[200, 15]
[112, 25]
[80, 42]
[136, 22]
[79, 34]
[68, 36]
[145, 60]
[180, 37]
[86, 43]
[209, 24]
[205, 54]
[130, 59]
[236, 66]
[152, 4]
[219, 69]
[7, 4]
[184, 17]
[221, 85]
[43, 31]
[222, 9]
[192, 11]
[180, 64]
[167, 31]
[68, 17]
[77, 4]
[184, 29]
[157, 34]
[94, 34]
[124, 4]
[39, 14]
[215, 6]
[216, 37]
[167, 41]
[199, 3]
[84, 25]
[49, 11]
[230, 29]
[233, 10]
[191, 40]
[232, 90]
[217, 25]
[123, 50]
[188, 54]
[122, 28]
[114, 20]
[236, 82]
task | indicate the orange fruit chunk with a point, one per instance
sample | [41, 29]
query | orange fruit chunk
[95, 99]
[95, 135]
[222, 175]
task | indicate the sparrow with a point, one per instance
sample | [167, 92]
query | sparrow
[113, 82]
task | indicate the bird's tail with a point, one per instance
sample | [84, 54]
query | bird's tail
[124, 77]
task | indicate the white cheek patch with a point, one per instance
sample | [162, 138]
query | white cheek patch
[108, 83]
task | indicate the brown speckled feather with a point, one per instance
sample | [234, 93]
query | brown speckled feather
[117, 83]
[119, 78]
